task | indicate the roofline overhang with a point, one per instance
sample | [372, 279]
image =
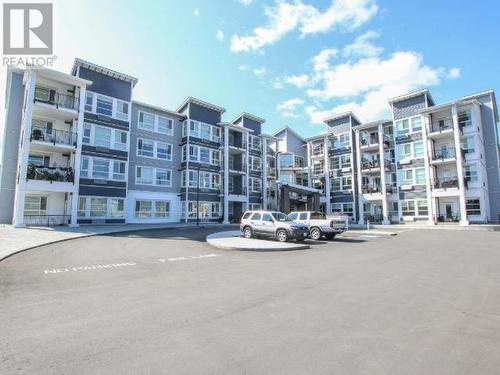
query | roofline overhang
[158, 108]
[235, 127]
[101, 69]
[412, 94]
[201, 103]
[260, 120]
[333, 117]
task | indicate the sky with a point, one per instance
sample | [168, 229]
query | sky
[292, 62]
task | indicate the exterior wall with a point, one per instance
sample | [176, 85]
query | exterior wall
[409, 107]
[10, 145]
[253, 125]
[106, 85]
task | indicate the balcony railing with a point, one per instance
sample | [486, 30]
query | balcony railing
[445, 183]
[371, 189]
[46, 220]
[241, 191]
[52, 174]
[373, 218]
[51, 96]
[271, 171]
[444, 153]
[53, 136]
[369, 140]
[440, 126]
[318, 170]
[370, 164]
[237, 143]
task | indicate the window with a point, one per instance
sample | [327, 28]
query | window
[405, 151]
[120, 142]
[408, 208]
[118, 170]
[122, 110]
[406, 176]
[205, 131]
[345, 161]
[254, 163]
[144, 176]
[416, 124]
[337, 208]
[464, 118]
[215, 157]
[194, 128]
[104, 106]
[143, 208]
[102, 137]
[255, 185]
[285, 160]
[84, 167]
[247, 215]
[35, 205]
[303, 216]
[267, 217]
[86, 133]
[145, 148]
[418, 150]
[402, 127]
[471, 173]
[100, 169]
[117, 207]
[420, 176]
[473, 207]
[293, 216]
[256, 216]
[468, 145]
[89, 101]
[204, 155]
[215, 181]
[344, 140]
[82, 209]
[346, 183]
[98, 207]
[193, 153]
[165, 125]
[215, 134]
[164, 151]
[335, 183]
[162, 209]
[348, 209]
[422, 208]
[146, 121]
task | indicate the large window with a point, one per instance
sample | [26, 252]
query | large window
[35, 205]
[100, 168]
[146, 121]
[408, 208]
[418, 150]
[102, 137]
[471, 172]
[468, 145]
[145, 147]
[285, 160]
[163, 177]
[98, 207]
[104, 105]
[201, 130]
[473, 207]
[117, 207]
[205, 210]
[165, 125]
[143, 208]
[144, 175]
[162, 208]
[208, 180]
[420, 176]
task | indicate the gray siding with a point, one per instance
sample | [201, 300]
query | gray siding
[295, 145]
[10, 146]
[135, 160]
[409, 107]
[106, 85]
[203, 114]
[254, 125]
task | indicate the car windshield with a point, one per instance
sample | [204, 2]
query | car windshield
[280, 216]
[318, 216]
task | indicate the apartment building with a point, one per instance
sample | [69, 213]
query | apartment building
[78, 149]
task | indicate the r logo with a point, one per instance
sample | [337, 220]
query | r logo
[27, 29]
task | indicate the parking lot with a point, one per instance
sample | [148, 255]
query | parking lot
[163, 301]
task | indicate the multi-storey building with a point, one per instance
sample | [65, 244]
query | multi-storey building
[76, 149]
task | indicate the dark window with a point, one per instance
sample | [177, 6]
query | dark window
[292, 216]
[267, 217]
[303, 216]
[256, 216]
[247, 215]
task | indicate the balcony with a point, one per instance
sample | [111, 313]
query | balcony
[444, 154]
[369, 142]
[370, 164]
[318, 170]
[445, 183]
[51, 104]
[441, 129]
[51, 174]
[271, 172]
[53, 136]
[371, 189]
[241, 168]
[237, 143]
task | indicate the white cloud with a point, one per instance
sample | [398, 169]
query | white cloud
[299, 81]
[219, 35]
[196, 12]
[287, 108]
[454, 73]
[362, 46]
[243, 68]
[246, 2]
[288, 16]
[369, 82]
[260, 72]
[322, 60]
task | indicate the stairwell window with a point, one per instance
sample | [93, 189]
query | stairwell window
[104, 106]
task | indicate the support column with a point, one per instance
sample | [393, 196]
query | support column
[385, 208]
[77, 158]
[359, 181]
[309, 163]
[426, 126]
[29, 81]
[264, 173]
[226, 175]
[328, 206]
[460, 169]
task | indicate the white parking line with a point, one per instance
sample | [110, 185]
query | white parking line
[188, 258]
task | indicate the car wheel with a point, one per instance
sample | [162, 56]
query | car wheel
[247, 232]
[315, 234]
[282, 235]
[330, 236]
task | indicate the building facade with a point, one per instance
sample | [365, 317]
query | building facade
[78, 149]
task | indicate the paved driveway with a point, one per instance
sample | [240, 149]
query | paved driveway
[423, 302]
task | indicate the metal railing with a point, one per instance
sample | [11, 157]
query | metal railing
[370, 140]
[444, 153]
[51, 96]
[237, 143]
[271, 171]
[46, 220]
[445, 183]
[373, 218]
[440, 126]
[369, 164]
[52, 174]
[371, 189]
[42, 134]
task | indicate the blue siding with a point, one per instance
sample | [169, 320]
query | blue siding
[203, 114]
[106, 85]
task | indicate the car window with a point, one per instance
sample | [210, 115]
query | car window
[267, 217]
[256, 216]
[318, 216]
[280, 216]
[292, 216]
[303, 216]
[247, 215]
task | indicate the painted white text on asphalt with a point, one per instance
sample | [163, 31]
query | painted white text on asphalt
[90, 268]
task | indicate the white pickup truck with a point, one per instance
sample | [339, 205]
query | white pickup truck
[319, 225]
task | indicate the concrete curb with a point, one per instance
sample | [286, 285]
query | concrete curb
[232, 240]
[125, 230]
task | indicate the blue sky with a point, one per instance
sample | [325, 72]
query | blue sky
[291, 62]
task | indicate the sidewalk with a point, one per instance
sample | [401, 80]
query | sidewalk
[410, 226]
[14, 240]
